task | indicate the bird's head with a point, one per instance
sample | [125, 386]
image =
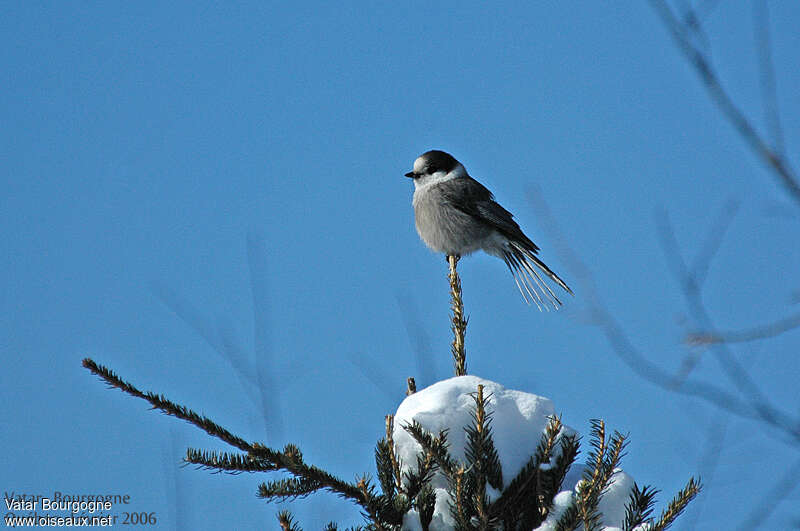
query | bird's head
[435, 166]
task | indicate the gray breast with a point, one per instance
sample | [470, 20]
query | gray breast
[444, 228]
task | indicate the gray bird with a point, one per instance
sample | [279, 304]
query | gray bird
[457, 215]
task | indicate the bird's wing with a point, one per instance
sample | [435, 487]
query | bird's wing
[471, 197]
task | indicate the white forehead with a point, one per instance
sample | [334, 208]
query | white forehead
[419, 164]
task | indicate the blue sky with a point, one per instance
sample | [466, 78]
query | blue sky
[143, 144]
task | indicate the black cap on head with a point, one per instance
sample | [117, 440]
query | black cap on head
[431, 162]
[438, 161]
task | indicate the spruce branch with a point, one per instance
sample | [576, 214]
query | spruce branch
[460, 506]
[168, 407]
[416, 481]
[677, 505]
[459, 323]
[570, 519]
[544, 450]
[639, 507]
[392, 453]
[569, 446]
[526, 501]
[437, 447]
[482, 461]
[535, 513]
[425, 503]
[287, 489]
[383, 463]
[597, 456]
[596, 477]
[480, 451]
[286, 521]
[232, 463]
[291, 460]
[554, 470]
[368, 492]
[524, 504]
[519, 498]
[587, 501]
[615, 453]
[600, 470]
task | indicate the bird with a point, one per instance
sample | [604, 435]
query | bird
[456, 215]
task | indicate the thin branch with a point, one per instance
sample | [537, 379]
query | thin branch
[714, 239]
[175, 488]
[715, 442]
[702, 65]
[779, 492]
[375, 372]
[727, 361]
[701, 266]
[769, 90]
[705, 9]
[750, 334]
[692, 19]
[418, 336]
[270, 401]
[708, 466]
[619, 341]
[228, 350]
[255, 377]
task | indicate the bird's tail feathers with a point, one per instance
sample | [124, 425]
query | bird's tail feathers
[523, 265]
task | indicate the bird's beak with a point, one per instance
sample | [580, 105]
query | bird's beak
[411, 174]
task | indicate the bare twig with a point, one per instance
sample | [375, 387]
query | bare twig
[179, 503]
[255, 376]
[270, 401]
[699, 60]
[769, 91]
[715, 444]
[375, 372]
[205, 328]
[740, 378]
[705, 9]
[418, 335]
[708, 466]
[779, 492]
[700, 268]
[751, 334]
[623, 347]
[716, 234]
